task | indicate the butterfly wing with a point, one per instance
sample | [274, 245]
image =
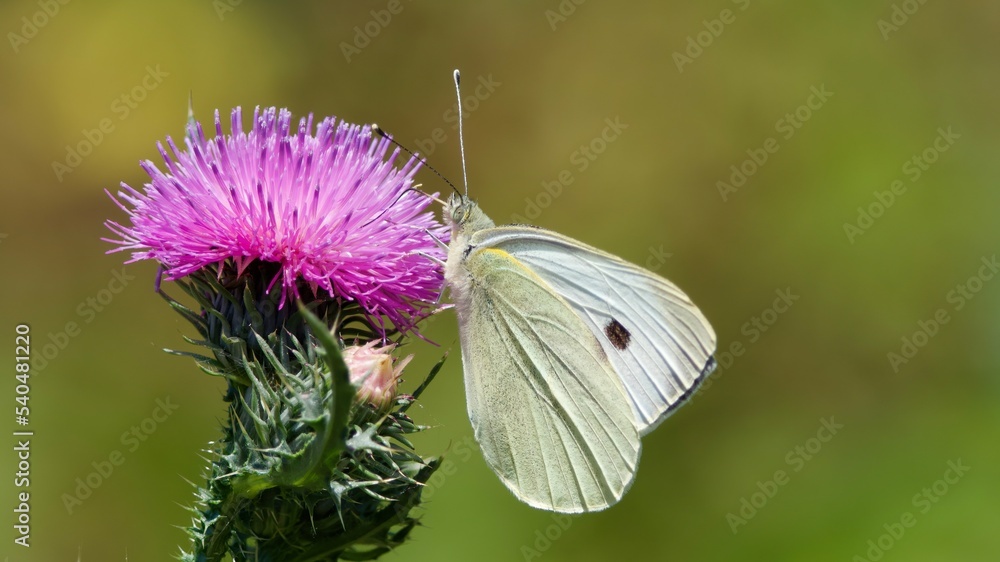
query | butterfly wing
[549, 412]
[657, 340]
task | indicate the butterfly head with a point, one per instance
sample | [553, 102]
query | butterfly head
[465, 216]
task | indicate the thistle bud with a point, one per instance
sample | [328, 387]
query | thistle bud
[372, 371]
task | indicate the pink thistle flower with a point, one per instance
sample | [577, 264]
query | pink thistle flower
[329, 209]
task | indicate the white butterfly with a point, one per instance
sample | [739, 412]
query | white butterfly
[570, 355]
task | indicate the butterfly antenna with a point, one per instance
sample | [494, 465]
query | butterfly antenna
[378, 131]
[400, 196]
[461, 139]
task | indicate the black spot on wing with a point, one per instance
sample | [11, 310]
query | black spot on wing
[619, 336]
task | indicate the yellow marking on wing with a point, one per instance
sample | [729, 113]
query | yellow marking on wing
[537, 278]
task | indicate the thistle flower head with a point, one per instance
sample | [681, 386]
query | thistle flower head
[373, 371]
[327, 208]
[245, 222]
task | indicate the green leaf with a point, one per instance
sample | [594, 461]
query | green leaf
[330, 441]
[427, 381]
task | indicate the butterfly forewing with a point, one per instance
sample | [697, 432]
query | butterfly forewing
[656, 339]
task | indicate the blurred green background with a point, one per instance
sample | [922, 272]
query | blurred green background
[558, 71]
